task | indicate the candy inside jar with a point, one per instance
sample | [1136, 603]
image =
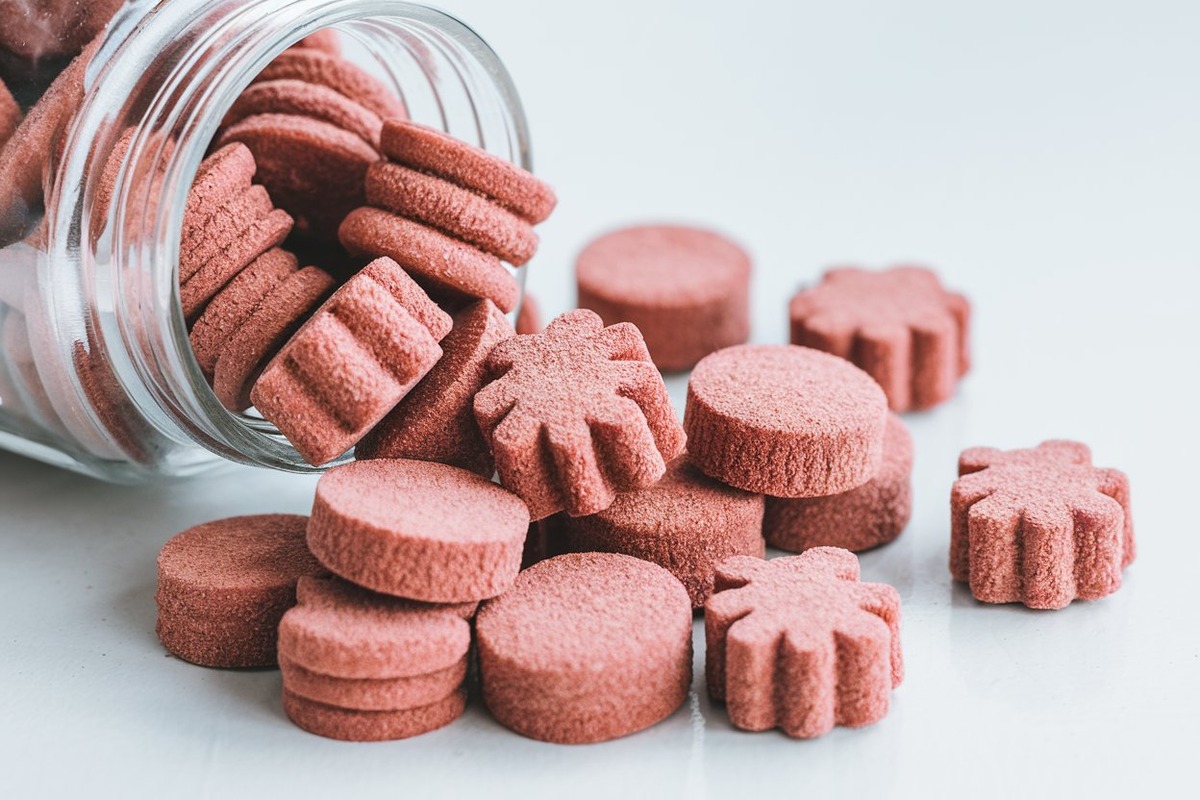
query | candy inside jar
[174, 213]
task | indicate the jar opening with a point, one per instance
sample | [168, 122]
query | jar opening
[154, 102]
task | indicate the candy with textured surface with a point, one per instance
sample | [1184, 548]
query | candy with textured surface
[222, 178]
[687, 289]
[436, 421]
[223, 587]
[266, 330]
[373, 694]
[873, 514]
[418, 529]
[448, 207]
[785, 421]
[223, 219]
[1040, 526]
[344, 631]
[256, 238]
[450, 270]
[432, 151]
[310, 65]
[900, 325]
[686, 523]
[586, 647]
[799, 644]
[576, 414]
[372, 726]
[234, 304]
[313, 170]
[352, 362]
[309, 100]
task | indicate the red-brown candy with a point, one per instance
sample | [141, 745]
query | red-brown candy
[436, 421]
[313, 170]
[586, 647]
[686, 523]
[785, 421]
[873, 514]
[576, 414]
[687, 289]
[266, 330]
[1040, 526]
[900, 325]
[311, 65]
[352, 362]
[223, 587]
[429, 150]
[799, 644]
[418, 529]
[372, 726]
[450, 270]
[235, 304]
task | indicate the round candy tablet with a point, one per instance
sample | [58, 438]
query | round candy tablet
[372, 726]
[687, 289]
[223, 587]
[586, 647]
[685, 523]
[418, 529]
[783, 420]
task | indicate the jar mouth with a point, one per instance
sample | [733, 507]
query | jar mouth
[129, 246]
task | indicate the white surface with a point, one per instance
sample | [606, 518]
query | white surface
[1044, 155]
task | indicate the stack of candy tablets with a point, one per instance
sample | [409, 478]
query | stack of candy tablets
[575, 576]
[360, 666]
[834, 464]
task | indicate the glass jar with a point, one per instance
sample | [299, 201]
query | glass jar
[96, 371]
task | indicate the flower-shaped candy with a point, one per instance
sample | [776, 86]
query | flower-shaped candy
[1040, 526]
[576, 414]
[899, 325]
[797, 643]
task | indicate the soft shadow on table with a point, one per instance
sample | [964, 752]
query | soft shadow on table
[1004, 652]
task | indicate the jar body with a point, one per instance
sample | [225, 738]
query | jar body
[96, 372]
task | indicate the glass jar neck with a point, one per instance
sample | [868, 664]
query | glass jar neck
[155, 95]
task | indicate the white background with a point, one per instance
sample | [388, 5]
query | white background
[1044, 156]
